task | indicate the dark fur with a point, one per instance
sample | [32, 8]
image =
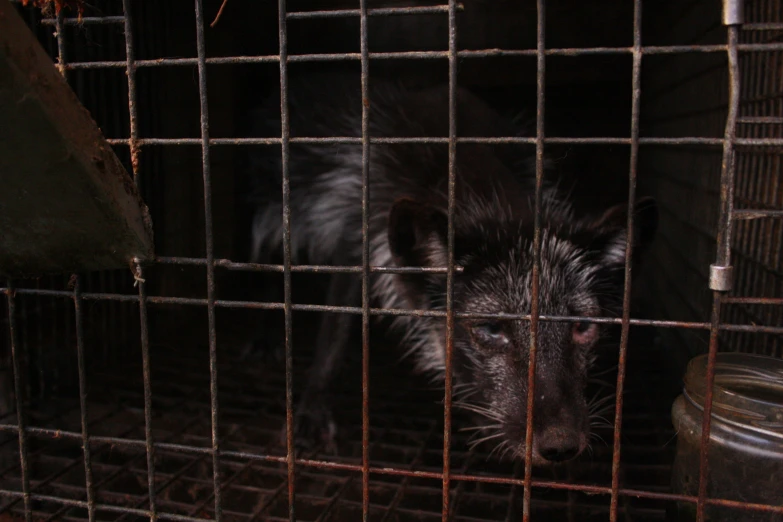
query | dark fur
[582, 258]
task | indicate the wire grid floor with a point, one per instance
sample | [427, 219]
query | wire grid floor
[406, 434]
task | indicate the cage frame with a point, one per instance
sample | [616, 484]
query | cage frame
[720, 282]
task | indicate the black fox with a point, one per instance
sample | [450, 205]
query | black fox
[582, 257]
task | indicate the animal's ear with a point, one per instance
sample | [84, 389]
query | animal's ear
[611, 231]
[417, 234]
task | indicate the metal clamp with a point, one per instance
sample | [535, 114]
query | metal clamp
[733, 12]
[721, 278]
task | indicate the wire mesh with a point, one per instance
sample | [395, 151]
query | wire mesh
[161, 448]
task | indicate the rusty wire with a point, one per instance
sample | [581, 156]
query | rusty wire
[729, 143]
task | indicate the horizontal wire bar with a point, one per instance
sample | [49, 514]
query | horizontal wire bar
[325, 269]
[422, 55]
[103, 507]
[762, 27]
[381, 11]
[434, 475]
[87, 20]
[300, 15]
[755, 120]
[506, 140]
[391, 11]
[756, 214]
[754, 300]
[396, 312]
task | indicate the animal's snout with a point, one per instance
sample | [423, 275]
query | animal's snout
[557, 444]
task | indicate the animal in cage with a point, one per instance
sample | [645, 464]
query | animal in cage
[582, 258]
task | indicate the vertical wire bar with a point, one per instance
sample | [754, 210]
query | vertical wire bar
[60, 32]
[146, 376]
[285, 132]
[41, 367]
[723, 256]
[79, 322]
[450, 247]
[20, 410]
[636, 86]
[534, 311]
[210, 255]
[130, 71]
[55, 368]
[365, 263]
[139, 276]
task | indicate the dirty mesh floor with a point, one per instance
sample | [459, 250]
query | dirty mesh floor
[406, 433]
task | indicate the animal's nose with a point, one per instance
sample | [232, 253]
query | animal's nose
[559, 454]
[557, 444]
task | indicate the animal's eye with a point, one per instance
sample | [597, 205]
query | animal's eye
[581, 327]
[492, 329]
[490, 333]
[584, 333]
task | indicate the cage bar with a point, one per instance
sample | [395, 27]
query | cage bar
[723, 257]
[157, 300]
[88, 472]
[21, 424]
[206, 171]
[428, 55]
[747, 318]
[366, 101]
[636, 86]
[535, 280]
[452, 154]
[685, 141]
[139, 271]
[287, 305]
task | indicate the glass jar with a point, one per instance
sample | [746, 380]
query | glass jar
[746, 437]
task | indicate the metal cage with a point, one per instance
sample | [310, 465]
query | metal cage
[130, 404]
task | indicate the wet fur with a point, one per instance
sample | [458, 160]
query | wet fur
[582, 257]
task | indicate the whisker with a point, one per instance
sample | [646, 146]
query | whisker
[605, 371]
[496, 448]
[596, 401]
[486, 427]
[492, 415]
[599, 438]
[490, 437]
[509, 448]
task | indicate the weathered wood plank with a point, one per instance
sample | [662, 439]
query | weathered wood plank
[66, 202]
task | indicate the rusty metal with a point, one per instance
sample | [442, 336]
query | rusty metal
[452, 182]
[135, 153]
[130, 71]
[772, 26]
[776, 301]
[87, 20]
[146, 372]
[238, 461]
[426, 55]
[287, 305]
[392, 312]
[325, 269]
[685, 141]
[535, 280]
[257, 454]
[88, 472]
[723, 257]
[366, 102]
[206, 172]
[757, 214]
[21, 424]
[636, 90]
[378, 11]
